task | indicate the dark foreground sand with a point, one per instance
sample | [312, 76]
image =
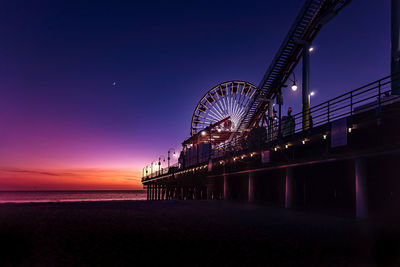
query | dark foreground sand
[188, 233]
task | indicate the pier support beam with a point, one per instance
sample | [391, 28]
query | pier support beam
[251, 187]
[226, 187]
[360, 169]
[289, 188]
[153, 191]
[306, 85]
[210, 191]
[395, 45]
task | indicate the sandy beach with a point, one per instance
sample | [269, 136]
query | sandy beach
[187, 233]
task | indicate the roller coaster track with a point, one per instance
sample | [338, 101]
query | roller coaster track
[313, 15]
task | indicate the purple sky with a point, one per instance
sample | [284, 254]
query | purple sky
[58, 62]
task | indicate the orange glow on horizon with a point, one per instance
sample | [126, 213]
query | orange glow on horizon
[70, 179]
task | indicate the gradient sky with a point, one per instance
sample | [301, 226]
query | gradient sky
[64, 125]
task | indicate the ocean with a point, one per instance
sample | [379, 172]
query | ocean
[69, 196]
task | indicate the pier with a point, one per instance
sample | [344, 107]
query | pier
[340, 156]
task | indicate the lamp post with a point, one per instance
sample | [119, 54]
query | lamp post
[203, 133]
[294, 86]
[169, 158]
[151, 167]
[306, 85]
[159, 163]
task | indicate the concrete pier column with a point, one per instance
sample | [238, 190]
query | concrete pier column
[153, 191]
[147, 192]
[167, 197]
[159, 192]
[360, 169]
[289, 188]
[226, 188]
[150, 196]
[210, 191]
[251, 187]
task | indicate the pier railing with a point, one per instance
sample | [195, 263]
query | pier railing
[372, 95]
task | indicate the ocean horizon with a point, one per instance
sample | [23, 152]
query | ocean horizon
[70, 196]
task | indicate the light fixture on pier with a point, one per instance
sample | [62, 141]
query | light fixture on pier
[349, 130]
[219, 130]
[304, 142]
[311, 49]
[324, 136]
[275, 148]
[286, 146]
[251, 154]
[312, 93]
[203, 133]
[294, 86]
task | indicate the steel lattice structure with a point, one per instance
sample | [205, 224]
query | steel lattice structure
[313, 15]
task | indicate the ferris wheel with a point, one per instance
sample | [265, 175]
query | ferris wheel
[225, 105]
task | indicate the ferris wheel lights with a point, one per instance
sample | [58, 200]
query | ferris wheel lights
[223, 104]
